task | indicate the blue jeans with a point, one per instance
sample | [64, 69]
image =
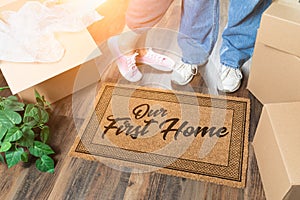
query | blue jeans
[200, 25]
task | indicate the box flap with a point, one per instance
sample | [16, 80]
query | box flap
[280, 28]
[79, 48]
[285, 119]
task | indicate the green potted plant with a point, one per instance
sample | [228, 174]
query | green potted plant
[24, 132]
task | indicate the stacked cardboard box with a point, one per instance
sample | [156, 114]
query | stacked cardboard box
[274, 80]
[276, 61]
[277, 150]
[54, 80]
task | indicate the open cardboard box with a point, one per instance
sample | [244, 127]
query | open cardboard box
[277, 149]
[54, 80]
[274, 74]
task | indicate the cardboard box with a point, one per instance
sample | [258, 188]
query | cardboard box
[54, 80]
[274, 74]
[277, 149]
[294, 3]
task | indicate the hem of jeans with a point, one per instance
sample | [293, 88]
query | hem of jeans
[199, 63]
[230, 65]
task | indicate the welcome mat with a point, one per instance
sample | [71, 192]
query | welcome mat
[189, 135]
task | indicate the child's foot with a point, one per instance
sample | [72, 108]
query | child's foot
[126, 64]
[157, 61]
[128, 68]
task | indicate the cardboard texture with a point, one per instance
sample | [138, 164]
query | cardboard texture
[155, 130]
[293, 3]
[54, 80]
[276, 59]
[274, 75]
[277, 149]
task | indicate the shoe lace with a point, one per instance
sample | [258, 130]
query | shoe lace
[229, 71]
[187, 69]
[157, 57]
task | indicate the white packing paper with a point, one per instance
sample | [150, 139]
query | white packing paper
[28, 35]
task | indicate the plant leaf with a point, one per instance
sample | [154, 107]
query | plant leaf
[9, 118]
[28, 110]
[29, 121]
[39, 149]
[5, 146]
[14, 107]
[37, 95]
[13, 157]
[40, 102]
[39, 114]
[2, 131]
[12, 98]
[28, 137]
[45, 134]
[44, 116]
[24, 157]
[45, 164]
[32, 111]
[12, 103]
[13, 134]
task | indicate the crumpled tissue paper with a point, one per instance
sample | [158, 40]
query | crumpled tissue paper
[28, 35]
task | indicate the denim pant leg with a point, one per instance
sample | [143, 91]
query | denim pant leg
[198, 29]
[240, 32]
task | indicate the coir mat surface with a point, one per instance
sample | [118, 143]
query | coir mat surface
[183, 134]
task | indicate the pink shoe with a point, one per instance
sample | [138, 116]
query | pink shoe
[157, 61]
[126, 64]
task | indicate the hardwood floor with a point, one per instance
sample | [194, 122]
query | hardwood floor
[81, 179]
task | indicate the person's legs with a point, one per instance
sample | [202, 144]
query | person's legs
[140, 16]
[197, 36]
[240, 33]
[238, 40]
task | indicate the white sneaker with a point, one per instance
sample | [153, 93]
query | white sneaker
[183, 73]
[156, 60]
[128, 68]
[126, 64]
[230, 79]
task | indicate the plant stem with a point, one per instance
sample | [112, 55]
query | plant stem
[4, 88]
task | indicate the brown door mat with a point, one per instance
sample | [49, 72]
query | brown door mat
[183, 134]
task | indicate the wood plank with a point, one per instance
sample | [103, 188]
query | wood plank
[137, 186]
